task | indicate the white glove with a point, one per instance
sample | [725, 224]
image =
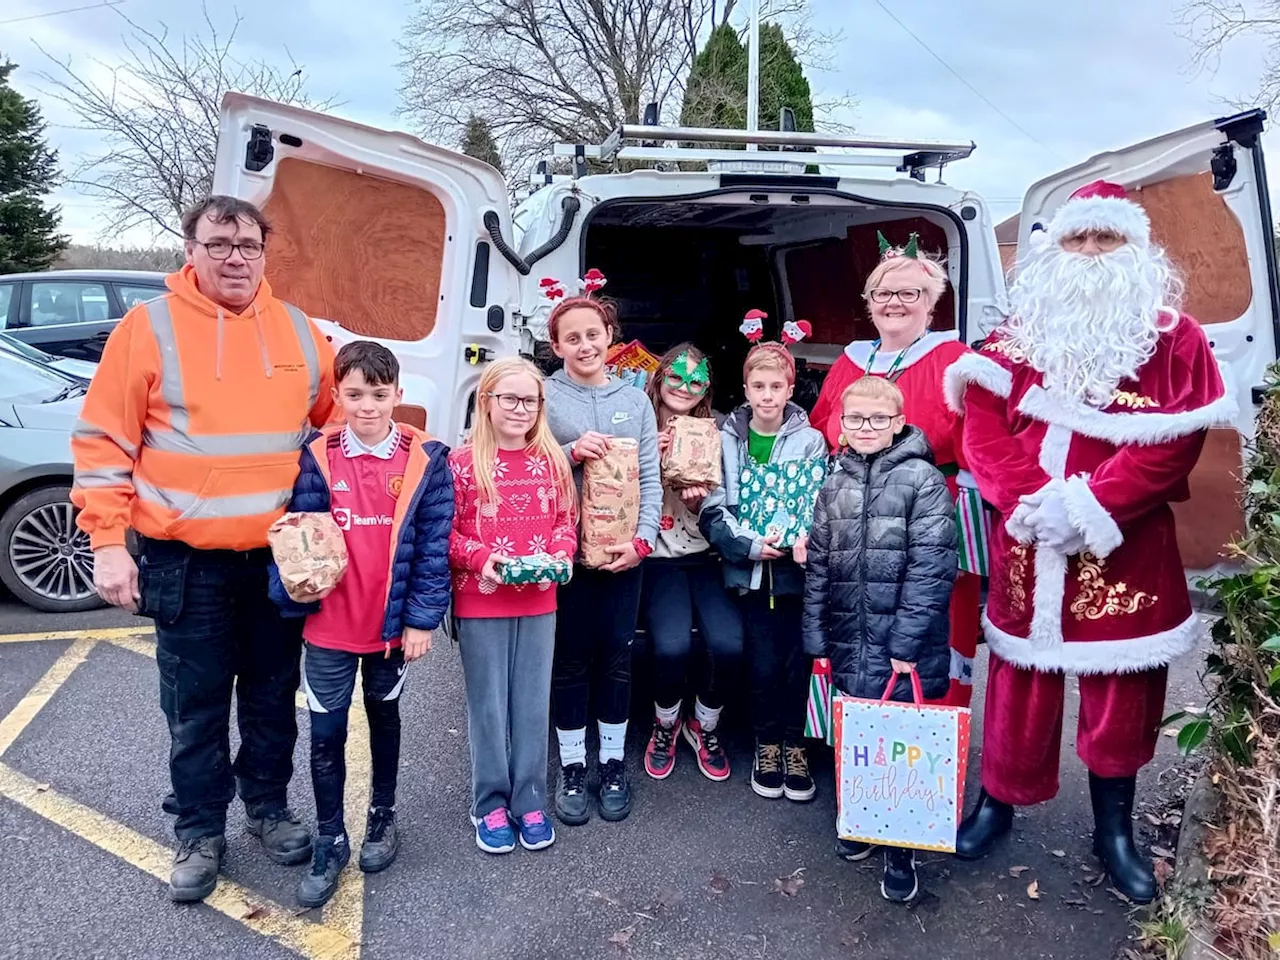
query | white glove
[1049, 521]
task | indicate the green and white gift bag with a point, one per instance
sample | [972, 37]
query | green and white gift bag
[537, 568]
[973, 526]
[778, 498]
[817, 716]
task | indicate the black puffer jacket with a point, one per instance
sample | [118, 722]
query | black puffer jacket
[882, 560]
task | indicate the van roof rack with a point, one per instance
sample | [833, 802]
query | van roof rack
[906, 156]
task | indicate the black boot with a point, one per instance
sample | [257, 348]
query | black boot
[990, 820]
[1113, 837]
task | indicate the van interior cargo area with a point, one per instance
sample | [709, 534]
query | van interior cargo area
[691, 270]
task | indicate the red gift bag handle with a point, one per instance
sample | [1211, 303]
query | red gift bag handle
[916, 690]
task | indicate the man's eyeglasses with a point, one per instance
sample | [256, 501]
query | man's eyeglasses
[512, 402]
[878, 421]
[695, 387]
[221, 249]
[882, 295]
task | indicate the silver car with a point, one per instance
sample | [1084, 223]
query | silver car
[45, 560]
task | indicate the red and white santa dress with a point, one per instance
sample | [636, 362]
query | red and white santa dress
[1115, 614]
[919, 371]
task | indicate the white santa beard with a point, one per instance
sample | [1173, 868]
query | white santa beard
[1087, 323]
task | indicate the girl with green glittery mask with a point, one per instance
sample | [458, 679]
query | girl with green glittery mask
[684, 584]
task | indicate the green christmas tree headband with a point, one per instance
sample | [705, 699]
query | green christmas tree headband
[701, 373]
[888, 251]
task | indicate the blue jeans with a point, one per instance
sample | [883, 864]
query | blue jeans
[217, 630]
[678, 593]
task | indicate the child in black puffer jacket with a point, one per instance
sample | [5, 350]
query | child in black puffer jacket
[881, 562]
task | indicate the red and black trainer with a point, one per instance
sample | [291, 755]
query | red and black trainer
[712, 760]
[660, 754]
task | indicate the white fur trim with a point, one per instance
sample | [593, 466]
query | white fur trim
[974, 368]
[860, 351]
[1097, 656]
[1050, 566]
[1101, 532]
[1101, 213]
[1146, 429]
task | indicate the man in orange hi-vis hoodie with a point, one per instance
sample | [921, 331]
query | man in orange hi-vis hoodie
[190, 434]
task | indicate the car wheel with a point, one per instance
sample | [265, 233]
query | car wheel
[45, 559]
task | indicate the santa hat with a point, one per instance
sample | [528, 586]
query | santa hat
[1101, 206]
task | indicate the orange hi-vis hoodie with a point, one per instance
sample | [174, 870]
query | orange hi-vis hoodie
[193, 423]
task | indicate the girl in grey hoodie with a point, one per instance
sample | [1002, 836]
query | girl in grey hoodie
[596, 622]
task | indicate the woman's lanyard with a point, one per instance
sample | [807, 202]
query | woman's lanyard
[894, 372]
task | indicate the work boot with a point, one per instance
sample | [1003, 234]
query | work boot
[1113, 837]
[381, 840]
[195, 868]
[990, 820]
[283, 836]
[320, 884]
[170, 804]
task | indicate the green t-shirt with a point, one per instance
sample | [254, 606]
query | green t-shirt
[760, 445]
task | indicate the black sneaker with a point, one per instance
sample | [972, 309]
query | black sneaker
[195, 868]
[615, 792]
[283, 836]
[854, 851]
[572, 804]
[381, 840]
[900, 884]
[766, 771]
[797, 784]
[331, 855]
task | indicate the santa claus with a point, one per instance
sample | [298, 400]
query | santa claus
[1084, 414]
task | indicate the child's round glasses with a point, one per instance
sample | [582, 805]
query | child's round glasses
[695, 387]
[878, 421]
[882, 295]
[511, 402]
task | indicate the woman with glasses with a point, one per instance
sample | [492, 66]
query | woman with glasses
[901, 294]
[683, 584]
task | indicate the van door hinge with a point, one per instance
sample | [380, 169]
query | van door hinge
[1223, 166]
[258, 152]
[476, 354]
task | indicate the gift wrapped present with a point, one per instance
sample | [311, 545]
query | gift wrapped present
[610, 500]
[778, 498]
[630, 356]
[693, 459]
[310, 553]
[537, 568]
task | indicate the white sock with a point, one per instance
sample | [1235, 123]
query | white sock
[707, 717]
[573, 746]
[667, 715]
[613, 738]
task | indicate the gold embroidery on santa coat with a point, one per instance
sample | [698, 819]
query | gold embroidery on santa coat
[1018, 577]
[1135, 401]
[1098, 599]
[1006, 347]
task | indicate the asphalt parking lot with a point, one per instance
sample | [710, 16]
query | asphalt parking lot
[700, 870]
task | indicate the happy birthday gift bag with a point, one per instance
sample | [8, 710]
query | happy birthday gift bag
[900, 770]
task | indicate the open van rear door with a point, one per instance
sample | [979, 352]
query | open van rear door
[1205, 190]
[383, 236]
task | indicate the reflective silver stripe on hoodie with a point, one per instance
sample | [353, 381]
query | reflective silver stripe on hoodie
[103, 477]
[161, 321]
[224, 444]
[302, 327]
[84, 430]
[194, 507]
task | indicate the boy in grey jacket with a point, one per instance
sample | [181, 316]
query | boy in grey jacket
[881, 563]
[768, 428]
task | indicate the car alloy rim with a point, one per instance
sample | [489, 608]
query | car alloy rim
[51, 555]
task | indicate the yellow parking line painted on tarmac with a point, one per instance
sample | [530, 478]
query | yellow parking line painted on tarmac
[21, 715]
[314, 941]
[136, 643]
[106, 633]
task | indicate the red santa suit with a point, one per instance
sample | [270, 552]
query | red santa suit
[919, 371]
[1116, 613]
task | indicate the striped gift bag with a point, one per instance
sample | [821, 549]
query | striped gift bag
[817, 715]
[973, 524]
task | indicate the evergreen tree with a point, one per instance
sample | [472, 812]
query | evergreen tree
[29, 238]
[478, 142]
[716, 92]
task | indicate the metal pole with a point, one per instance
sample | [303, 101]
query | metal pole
[753, 73]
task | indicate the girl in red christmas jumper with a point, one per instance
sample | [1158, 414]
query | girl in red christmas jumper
[513, 497]
[683, 583]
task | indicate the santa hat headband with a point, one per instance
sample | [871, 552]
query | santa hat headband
[793, 331]
[1101, 206]
[554, 290]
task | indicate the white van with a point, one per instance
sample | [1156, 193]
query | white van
[396, 240]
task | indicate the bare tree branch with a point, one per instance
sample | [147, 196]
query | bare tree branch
[157, 117]
[1212, 25]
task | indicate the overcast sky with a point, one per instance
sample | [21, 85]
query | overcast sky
[1063, 80]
